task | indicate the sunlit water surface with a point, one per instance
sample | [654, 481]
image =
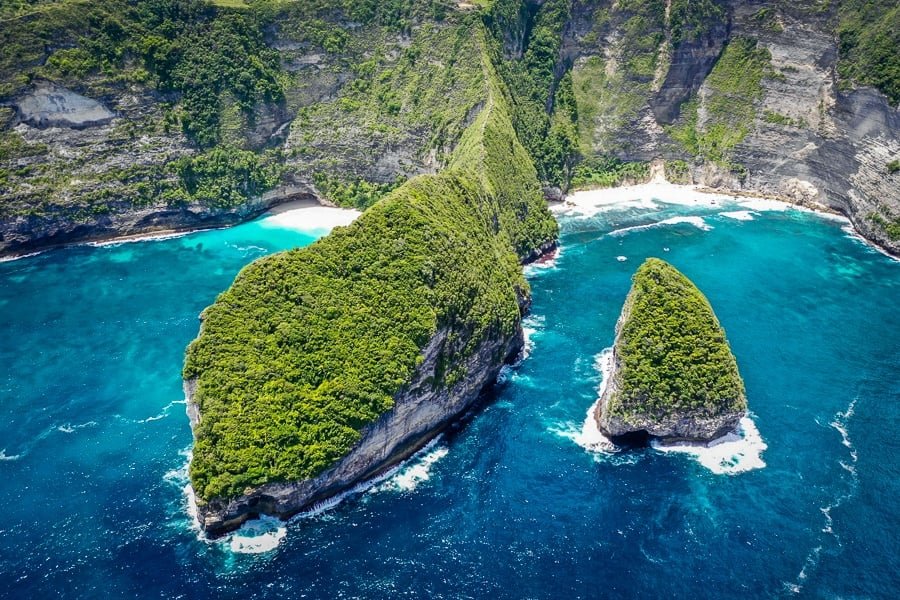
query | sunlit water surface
[94, 435]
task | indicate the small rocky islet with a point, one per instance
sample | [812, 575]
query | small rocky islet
[673, 374]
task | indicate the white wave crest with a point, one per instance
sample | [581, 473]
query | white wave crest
[544, 263]
[414, 472]
[69, 428]
[738, 215]
[163, 413]
[9, 457]
[149, 237]
[736, 452]
[532, 325]
[697, 222]
[589, 436]
[841, 425]
[258, 536]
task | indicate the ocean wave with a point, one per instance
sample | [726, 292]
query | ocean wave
[258, 536]
[697, 222]
[163, 413]
[839, 423]
[544, 263]
[414, 472]
[738, 215]
[4, 259]
[736, 452]
[9, 457]
[150, 237]
[69, 428]
[852, 234]
[588, 435]
[265, 534]
[532, 326]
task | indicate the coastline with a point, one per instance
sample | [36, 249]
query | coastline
[309, 214]
[303, 215]
[589, 202]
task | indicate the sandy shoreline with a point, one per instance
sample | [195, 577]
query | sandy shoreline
[308, 215]
[590, 202]
[735, 204]
[300, 215]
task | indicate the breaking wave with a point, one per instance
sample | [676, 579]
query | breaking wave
[734, 453]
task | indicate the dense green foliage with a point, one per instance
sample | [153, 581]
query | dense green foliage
[690, 19]
[224, 177]
[309, 346]
[604, 171]
[678, 171]
[869, 33]
[672, 351]
[543, 112]
[183, 46]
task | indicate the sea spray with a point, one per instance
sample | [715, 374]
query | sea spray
[265, 534]
[736, 452]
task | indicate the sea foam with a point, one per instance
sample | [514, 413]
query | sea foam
[738, 215]
[589, 436]
[736, 452]
[697, 222]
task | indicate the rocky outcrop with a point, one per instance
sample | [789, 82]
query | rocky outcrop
[18, 234]
[420, 411]
[48, 105]
[672, 376]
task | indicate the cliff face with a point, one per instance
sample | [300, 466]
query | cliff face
[420, 411]
[751, 101]
[747, 94]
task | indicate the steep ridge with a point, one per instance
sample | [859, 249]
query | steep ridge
[321, 367]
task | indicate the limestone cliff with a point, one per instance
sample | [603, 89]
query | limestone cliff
[750, 98]
[117, 138]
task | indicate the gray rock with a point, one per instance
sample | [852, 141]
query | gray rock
[49, 105]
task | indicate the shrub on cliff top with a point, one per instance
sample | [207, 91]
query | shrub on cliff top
[673, 354]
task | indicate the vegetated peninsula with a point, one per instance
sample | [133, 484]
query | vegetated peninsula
[321, 367]
[673, 375]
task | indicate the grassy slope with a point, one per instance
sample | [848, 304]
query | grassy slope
[673, 352]
[309, 346]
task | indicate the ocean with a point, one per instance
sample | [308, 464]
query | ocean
[517, 501]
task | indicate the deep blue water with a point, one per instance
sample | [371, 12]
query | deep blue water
[94, 434]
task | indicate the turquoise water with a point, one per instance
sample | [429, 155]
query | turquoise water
[94, 435]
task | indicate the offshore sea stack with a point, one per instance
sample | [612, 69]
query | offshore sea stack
[673, 374]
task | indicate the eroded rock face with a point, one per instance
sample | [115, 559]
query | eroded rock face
[49, 105]
[810, 142]
[420, 411]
